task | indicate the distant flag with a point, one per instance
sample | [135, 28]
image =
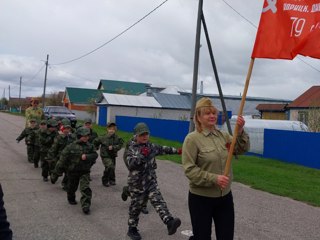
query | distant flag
[288, 28]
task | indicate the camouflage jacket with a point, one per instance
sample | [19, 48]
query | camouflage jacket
[70, 158]
[36, 136]
[34, 113]
[142, 163]
[27, 134]
[93, 136]
[46, 139]
[125, 153]
[105, 141]
[60, 142]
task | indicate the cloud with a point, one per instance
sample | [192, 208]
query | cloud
[158, 50]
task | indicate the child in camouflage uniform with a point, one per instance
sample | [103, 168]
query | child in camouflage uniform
[93, 134]
[77, 158]
[36, 137]
[142, 180]
[64, 138]
[88, 124]
[28, 134]
[125, 190]
[109, 145]
[46, 138]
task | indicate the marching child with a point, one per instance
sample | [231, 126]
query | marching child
[46, 139]
[77, 159]
[125, 190]
[36, 137]
[142, 180]
[64, 138]
[109, 145]
[28, 134]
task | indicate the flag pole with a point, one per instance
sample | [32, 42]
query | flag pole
[235, 133]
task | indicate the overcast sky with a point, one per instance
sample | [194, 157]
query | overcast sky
[158, 50]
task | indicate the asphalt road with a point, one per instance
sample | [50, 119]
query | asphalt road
[39, 210]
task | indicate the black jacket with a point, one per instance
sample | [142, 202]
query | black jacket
[5, 231]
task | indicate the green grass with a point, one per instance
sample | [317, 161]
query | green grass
[283, 179]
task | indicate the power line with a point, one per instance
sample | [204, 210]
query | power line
[37, 73]
[112, 39]
[252, 24]
[308, 64]
[71, 74]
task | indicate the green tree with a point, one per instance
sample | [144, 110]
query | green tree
[3, 103]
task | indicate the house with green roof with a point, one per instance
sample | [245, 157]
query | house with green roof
[81, 101]
[123, 87]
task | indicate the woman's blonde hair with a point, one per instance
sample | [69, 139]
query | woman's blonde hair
[203, 105]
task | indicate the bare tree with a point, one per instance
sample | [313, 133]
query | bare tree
[54, 99]
[314, 116]
[91, 108]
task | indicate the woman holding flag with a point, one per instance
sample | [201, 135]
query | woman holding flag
[204, 156]
[287, 28]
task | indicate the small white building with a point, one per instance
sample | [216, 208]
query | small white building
[112, 105]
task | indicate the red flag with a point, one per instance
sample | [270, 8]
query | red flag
[288, 28]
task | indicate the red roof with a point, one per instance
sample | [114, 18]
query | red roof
[278, 107]
[310, 98]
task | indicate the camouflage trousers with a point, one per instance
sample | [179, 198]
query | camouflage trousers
[47, 166]
[126, 192]
[74, 180]
[109, 170]
[139, 199]
[64, 182]
[36, 155]
[30, 152]
[44, 164]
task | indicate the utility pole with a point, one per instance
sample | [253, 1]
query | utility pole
[196, 71]
[9, 99]
[224, 108]
[45, 83]
[196, 67]
[20, 94]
